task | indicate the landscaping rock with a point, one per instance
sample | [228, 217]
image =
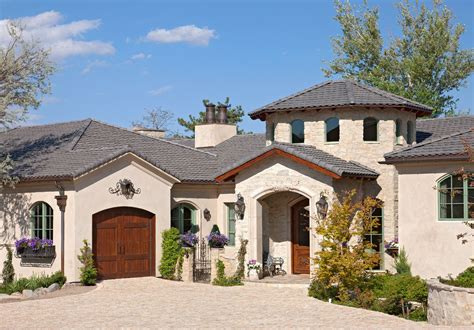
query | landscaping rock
[16, 294]
[40, 291]
[53, 287]
[4, 296]
[28, 294]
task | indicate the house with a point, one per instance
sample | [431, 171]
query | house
[120, 189]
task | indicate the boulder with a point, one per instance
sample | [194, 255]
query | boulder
[4, 296]
[40, 291]
[53, 287]
[16, 294]
[28, 294]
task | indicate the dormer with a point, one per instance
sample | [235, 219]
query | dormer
[342, 114]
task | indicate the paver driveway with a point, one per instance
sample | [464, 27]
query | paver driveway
[151, 302]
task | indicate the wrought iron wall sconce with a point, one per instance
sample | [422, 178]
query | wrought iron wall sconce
[126, 188]
[322, 206]
[239, 207]
[207, 214]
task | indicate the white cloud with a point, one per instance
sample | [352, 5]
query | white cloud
[140, 56]
[62, 39]
[160, 90]
[92, 65]
[186, 34]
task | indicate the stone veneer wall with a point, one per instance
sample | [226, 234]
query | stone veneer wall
[352, 147]
[450, 305]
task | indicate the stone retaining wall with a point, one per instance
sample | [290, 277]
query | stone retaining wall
[450, 305]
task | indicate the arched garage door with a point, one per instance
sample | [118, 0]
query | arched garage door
[124, 242]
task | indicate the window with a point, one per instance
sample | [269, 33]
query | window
[271, 131]
[398, 131]
[370, 129]
[375, 236]
[297, 131]
[183, 217]
[332, 129]
[456, 198]
[231, 223]
[410, 132]
[42, 221]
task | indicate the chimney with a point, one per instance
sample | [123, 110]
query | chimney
[151, 132]
[210, 113]
[211, 133]
[222, 114]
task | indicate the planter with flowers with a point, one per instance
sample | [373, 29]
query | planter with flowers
[189, 240]
[392, 248]
[217, 240]
[35, 248]
[254, 270]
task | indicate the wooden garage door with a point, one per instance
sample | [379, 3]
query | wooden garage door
[124, 243]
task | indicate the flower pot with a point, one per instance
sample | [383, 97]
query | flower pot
[44, 252]
[254, 275]
[393, 251]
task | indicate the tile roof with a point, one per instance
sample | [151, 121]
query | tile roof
[312, 155]
[434, 128]
[339, 93]
[448, 147]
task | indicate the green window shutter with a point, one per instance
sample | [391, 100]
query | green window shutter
[231, 223]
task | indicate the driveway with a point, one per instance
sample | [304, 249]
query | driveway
[151, 302]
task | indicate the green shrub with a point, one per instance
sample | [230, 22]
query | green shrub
[410, 288]
[402, 265]
[88, 271]
[464, 279]
[171, 253]
[215, 229]
[222, 280]
[34, 282]
[418, 314]
[8, 272]
[322, 292]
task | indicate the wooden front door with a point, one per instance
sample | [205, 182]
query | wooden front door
[300, 238]
[124, 243]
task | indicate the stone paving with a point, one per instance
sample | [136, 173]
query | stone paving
[151, 303]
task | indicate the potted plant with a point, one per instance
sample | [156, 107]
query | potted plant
[35, 248]
[392, 248]
[189, 239]
[254, 270]
[217, 240]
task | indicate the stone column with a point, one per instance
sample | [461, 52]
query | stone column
[187, 275]
[215, 255]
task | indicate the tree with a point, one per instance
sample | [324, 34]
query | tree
[8, 272]
[88, 271]
[234, 116]
[25, 69]
[155, 118]
[424, 64]
[345, 257]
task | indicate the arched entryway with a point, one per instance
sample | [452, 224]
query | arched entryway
[285, 229]
[123, 242]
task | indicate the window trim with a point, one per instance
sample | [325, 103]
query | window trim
[44, 220]
[180, 207]
[377, 140]
[465, 201]
[229, 207]
[326, 131]
[291, 131]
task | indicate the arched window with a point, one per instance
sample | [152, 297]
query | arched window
[370, 129]
[271, 131]
[456, 198]
[297, 131]
[398, 132]
[332, 129]
[41, 221]
[183, 217]
[410, 132]
[375, 235]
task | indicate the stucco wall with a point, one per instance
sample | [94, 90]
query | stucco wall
[431, 244]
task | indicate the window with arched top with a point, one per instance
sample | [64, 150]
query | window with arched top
[332, 129]
[297, 131]
[183, 217]
[371, 129]
[398, 132]
[456, 197]
[410, 132]
[41, 217]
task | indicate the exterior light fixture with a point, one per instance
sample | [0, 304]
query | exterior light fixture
[207, 214]
[239, 207]
[322, 206]
[126, 188]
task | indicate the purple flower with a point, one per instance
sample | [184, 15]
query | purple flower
[34, 243]
[217, 240]
[189, 239]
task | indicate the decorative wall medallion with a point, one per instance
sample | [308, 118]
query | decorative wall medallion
[125, 187]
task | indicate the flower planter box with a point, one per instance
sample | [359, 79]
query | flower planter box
[44, 252]
[393, 252]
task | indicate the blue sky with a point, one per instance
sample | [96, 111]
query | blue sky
[118, 58]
